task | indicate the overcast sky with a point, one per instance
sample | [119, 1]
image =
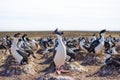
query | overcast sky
[25, 15]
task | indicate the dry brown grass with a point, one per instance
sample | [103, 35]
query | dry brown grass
[66, 33]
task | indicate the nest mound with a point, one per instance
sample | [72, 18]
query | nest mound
[105, 71]
[54, 77]
[93, 59]
[118, 49]
[11, 67]
[74, 67]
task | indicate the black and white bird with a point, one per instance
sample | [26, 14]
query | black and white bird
[60, 55]
[82, 45]
[97, 45]
[72, 53]
[109, 42]
[5, 43]
[20, 56]
[27, 45]
[110, 60]
[44, 43]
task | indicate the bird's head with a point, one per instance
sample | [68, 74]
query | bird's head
[103, 31]
[17, 35]
[57, 32]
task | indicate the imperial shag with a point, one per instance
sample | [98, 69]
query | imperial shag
[97, 45]
[60, 55]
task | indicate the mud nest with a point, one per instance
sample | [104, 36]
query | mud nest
[11, 67]
[105, 71]
[92, 59]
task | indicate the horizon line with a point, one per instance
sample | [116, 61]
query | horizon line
[53, 30]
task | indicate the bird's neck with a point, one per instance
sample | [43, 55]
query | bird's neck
[25, 38]
[15, 40]
[14, 43]
[102, 37]
[60, 40]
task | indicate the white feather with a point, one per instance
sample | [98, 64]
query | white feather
[60, 56]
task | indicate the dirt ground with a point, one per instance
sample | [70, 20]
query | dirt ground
[38, 69]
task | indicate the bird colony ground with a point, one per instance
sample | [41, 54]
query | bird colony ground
[38, 69]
